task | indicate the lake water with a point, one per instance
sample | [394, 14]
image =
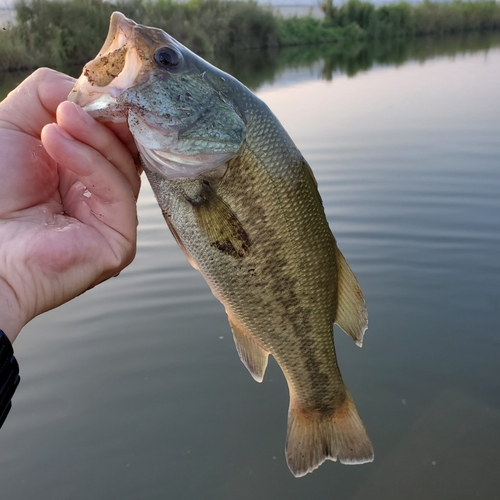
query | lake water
[135, 391]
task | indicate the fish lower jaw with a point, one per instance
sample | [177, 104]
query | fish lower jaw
[172, 166]
[105, 108]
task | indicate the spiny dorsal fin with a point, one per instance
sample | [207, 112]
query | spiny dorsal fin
[220, 224]
[251, 354]
[351, 315]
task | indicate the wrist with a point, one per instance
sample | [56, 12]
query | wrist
[11, 316]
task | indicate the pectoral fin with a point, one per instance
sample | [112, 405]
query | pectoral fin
[251, 354]
[220, 224]
[351, 316]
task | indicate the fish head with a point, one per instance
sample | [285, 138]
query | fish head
[174, 102]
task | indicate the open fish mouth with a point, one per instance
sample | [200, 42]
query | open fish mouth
[115, 69]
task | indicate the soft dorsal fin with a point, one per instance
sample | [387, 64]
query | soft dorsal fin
[351, 315]
[251, 354]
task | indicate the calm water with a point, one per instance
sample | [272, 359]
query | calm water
[135, 391]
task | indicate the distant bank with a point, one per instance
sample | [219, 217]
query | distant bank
[288, 9]
[60, 33]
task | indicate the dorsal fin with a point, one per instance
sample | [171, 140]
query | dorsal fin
[351, 315]
[251, 354]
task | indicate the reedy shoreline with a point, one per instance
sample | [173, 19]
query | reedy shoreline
[62, 33]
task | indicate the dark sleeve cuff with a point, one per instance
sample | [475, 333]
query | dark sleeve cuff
[9, 376]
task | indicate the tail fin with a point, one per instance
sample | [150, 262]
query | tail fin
[314, 438]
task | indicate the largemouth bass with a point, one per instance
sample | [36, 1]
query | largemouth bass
[243, 205]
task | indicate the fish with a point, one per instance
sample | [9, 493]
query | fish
[243, 205]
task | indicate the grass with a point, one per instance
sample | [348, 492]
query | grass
[208, 26]
[402, 19]
[60, 33]
[65, 33]
[13, 53]
[311, 31]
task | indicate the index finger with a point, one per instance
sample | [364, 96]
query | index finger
[31, 105]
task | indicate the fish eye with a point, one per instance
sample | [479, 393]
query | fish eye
[167, 57]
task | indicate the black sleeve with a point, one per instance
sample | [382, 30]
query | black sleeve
[9, 376]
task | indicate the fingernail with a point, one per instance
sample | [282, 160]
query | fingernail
[83, 114]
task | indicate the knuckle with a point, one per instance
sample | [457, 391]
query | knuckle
[43, 74]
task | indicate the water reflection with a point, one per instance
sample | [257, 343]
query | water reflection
[259, 67]
[255, 67]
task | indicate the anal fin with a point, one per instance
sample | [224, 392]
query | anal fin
[351, 315]
[251, 354]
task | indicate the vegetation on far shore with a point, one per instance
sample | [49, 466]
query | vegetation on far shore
[61, 33]
[402, 19]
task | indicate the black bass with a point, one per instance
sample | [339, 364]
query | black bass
[243, 205]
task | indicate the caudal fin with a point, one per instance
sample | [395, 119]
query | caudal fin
[314, 437]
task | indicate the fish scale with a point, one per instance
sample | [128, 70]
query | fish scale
[243, 205]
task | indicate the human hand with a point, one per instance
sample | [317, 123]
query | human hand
[68, 190]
